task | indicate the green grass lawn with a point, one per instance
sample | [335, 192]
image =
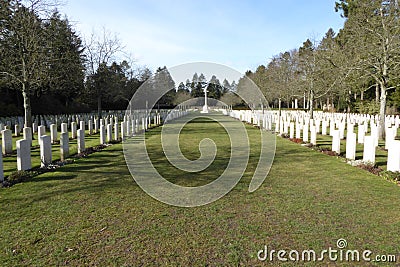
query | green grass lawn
[92, 213]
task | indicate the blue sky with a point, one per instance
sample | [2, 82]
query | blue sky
[239, 34]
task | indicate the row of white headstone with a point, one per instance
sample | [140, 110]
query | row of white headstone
[47, 120]
[298, 124]
[109, 128]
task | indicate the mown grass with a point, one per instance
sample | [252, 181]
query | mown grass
[92, 213]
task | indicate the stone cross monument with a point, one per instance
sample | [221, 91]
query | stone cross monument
[205, 107]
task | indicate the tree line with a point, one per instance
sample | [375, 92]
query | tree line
[47, 68]
[354, 70]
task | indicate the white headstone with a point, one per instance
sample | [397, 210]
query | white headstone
[81, 140]
[23, 155]
[336, 141]
[102, 134]
[96, 125]
[16, 130]
[350, 127]
[286, 127]
[53, 133]
[305, 133]
[369, 149]
[361, 133]
[73, 130]
[64, 146]
[41, 131]
[123, 131]
[128, 127]
[133, 127]
[28, 135]
[45, 150]
[393, 162]
[116, 132]
[375, 135]
[342, 127]
[351, 143]
[298, 130]
[82, 125]
[6, 141]
[291, 130]
[390, 136]
[34, 127]
[109, 133]
[331, 127]
[318, 126]
[313, 135]
[281, 126]
[90, 127]
[324, 126]
[64, 128]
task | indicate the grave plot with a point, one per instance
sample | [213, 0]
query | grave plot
[308, 198]
[47, 143]
[351, 136]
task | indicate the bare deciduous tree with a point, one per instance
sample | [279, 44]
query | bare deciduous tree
[373, 31]
[101, 48]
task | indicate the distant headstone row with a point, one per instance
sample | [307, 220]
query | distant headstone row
[298, 124]
[113, 127]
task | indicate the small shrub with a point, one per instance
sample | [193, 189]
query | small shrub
[18, 177]
[284, 135]
[330, 153]
[309, 145]
[296, 140]
[391, 176]
[371, 167]
[326, 150]
[115, 141]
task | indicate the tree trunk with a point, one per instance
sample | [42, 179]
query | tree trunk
[27, 106]
[382, 113]
[377, 94]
